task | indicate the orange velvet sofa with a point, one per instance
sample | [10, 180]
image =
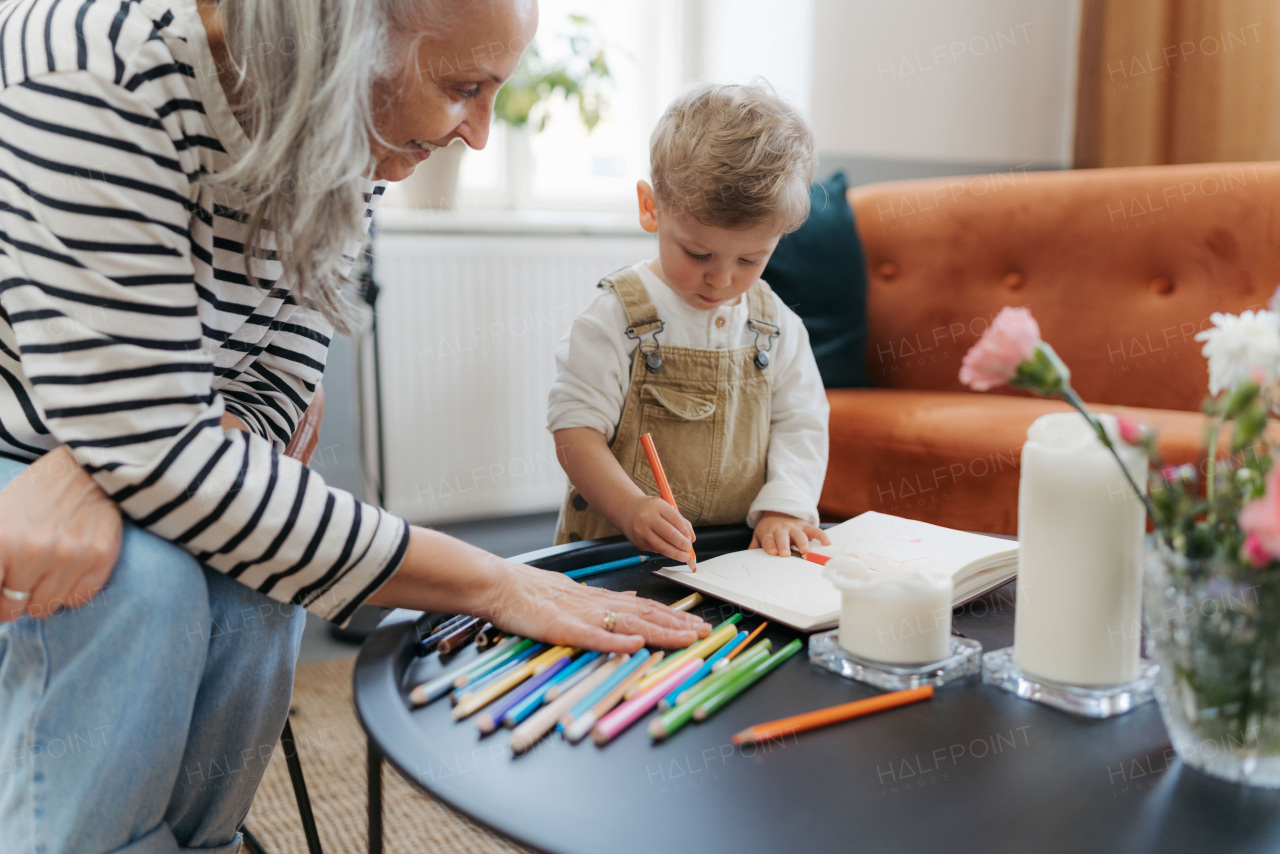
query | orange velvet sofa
[1121, 267]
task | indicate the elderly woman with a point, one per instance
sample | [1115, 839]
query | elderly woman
[183, 184]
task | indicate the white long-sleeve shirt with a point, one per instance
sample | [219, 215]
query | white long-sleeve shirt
[127, 323]
[593, 367]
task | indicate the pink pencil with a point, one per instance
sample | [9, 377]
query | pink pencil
[636, 708]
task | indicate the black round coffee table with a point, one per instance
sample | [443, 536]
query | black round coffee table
[972, 769]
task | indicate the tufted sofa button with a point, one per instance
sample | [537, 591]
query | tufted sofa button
[887, 271]
[1162, 285]
[1013, 281]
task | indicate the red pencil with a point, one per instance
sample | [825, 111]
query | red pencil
[664, 488]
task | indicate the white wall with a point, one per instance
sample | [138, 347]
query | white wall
[980, 81]
[744, 39]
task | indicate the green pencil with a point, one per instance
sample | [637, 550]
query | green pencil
[741, 683]
[693, 697]
[682, 712]
[488, 665]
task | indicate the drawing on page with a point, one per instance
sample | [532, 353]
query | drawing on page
[732, 572]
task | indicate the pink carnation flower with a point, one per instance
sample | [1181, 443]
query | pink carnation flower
[1260, 519]
[994, 360]
[1130, 430]
[1255, 553]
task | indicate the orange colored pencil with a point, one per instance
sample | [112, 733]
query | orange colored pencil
[664, 488]
[835, 714]
[746, 643]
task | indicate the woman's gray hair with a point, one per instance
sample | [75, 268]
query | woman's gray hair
[306, 71]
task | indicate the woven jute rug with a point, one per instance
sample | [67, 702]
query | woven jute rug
[331, 746]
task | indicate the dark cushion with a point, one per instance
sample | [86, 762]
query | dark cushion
[820, 272]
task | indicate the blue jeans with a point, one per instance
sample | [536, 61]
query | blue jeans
[142, 721]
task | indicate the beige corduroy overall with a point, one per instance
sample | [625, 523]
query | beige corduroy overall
[708, 411]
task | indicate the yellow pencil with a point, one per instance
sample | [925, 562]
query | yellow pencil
[477, 701]
[688, 603]
[702, 649]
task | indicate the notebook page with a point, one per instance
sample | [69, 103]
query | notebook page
[889, 543]
[764, 582]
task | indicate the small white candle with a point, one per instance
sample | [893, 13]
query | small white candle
[1080, 530]
[892, 617]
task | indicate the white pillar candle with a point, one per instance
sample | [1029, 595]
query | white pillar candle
[892, 617]
[1080, 530]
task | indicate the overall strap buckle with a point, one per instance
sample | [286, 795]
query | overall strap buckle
[770, 331]
[652, 356]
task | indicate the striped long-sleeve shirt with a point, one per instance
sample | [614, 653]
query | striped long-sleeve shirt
[128, 325]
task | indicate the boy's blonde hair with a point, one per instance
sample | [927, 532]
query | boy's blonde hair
[733, 156]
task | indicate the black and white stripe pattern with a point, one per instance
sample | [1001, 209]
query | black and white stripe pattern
[128, 324]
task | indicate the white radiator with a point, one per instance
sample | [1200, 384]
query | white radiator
[467, 328]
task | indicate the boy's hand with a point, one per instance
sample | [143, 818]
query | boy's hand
[652, 524]
[775, 532]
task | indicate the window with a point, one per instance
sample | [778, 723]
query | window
[564, 166]
[654, 49]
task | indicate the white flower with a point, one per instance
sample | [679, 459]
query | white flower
[1239, 346]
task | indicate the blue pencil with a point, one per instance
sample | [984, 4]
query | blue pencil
[588, 702]
[494, 675]
[526, 707]
[701, 673]
[605, 567]
[490, 720]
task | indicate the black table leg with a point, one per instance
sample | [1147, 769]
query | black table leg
[375, 798]
[290, 747]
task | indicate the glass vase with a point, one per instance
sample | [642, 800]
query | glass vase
[1213, 626]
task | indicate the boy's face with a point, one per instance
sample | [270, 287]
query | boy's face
[706, 265]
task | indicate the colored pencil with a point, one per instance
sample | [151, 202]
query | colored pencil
[634, 709]
[575, 675]
[488, 636]
[505, 651]
[664, 488]
[688, 603]
[459, 637]
[536, 698]
[492, 717]
[707, 686]
[668, 701]
[473, 703]
[754, 634]
[682, 654]
[681, 713]
[482, 682]
[429, 642]
[544, 720]
[588, 571]
[723, 633]
[441, 685]
[738, 684]
[583, 725]
[835, 714]
[814, 557]
[629, 666]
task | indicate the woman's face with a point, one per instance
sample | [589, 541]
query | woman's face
[449, 95]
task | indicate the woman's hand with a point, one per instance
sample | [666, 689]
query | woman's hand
[59, 537]
[775, 532]
[551, 608]
[443, 574]
[653, 525]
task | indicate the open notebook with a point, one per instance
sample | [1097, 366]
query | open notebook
[791, 590]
